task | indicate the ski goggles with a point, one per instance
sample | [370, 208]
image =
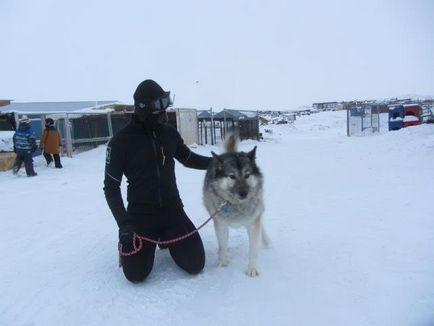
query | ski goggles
[159, 104]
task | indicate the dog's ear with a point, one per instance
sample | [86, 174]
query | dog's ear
[252, 154]
[218, 158]
[218, 163]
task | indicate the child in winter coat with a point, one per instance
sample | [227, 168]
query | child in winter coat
[50, 142]
[24, 147]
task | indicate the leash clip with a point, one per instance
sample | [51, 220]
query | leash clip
[224, 207]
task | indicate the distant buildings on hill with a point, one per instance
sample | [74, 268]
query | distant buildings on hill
[334, 106]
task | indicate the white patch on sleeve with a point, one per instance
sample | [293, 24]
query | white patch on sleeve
[108, 155]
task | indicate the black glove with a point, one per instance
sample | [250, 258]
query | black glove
[126, 234]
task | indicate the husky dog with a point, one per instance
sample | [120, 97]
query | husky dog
[233, 187]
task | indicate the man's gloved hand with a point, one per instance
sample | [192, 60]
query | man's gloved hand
[126, 234]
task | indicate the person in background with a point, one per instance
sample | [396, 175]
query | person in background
[145, 152]
[51, 143]
[24, 147]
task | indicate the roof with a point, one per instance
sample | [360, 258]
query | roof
[5, 102]
[320, 103]
[46, 107]
[230, 114]
[204, 115]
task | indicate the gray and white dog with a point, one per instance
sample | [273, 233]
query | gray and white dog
[233, 187]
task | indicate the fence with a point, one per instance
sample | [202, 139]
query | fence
[84, 130]
[80, 131]
[363, 119]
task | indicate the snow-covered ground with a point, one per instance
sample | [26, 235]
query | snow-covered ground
[351, 221]
[6, 142]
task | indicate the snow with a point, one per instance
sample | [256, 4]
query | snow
[411, 118]
[350, 221]
[6, 142]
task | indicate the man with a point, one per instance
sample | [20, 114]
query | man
[144, 151]
[24, 147]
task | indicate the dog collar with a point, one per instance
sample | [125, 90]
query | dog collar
[226, 209]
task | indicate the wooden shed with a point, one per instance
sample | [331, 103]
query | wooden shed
[185, 121]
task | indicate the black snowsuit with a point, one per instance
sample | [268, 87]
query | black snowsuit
[146, 158]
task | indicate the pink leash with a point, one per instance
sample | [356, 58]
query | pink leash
[139, 239]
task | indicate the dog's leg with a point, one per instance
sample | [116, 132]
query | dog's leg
[222, 232]
[254, 231]
[264, 236]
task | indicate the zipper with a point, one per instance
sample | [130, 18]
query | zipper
[154, 146]
[163, 156]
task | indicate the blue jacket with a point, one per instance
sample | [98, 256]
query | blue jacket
[24, 139]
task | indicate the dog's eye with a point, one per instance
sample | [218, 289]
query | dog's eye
[232, 176]
[247, 175]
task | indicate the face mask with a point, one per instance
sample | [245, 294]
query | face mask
[154, 119]
[162, 117]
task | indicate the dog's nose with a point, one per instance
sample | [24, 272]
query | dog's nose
[243, 194]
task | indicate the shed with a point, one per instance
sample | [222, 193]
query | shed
[185, 121]
[396, 117]
[363, 118]
[412, 114]
[244, 123]
[5, 102]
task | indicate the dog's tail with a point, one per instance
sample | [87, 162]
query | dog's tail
[231, 143]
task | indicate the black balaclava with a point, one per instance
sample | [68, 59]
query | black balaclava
[147, 91]
[49, 122]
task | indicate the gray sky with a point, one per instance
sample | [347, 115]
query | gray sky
[246, 54]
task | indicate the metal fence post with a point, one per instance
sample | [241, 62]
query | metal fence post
[225, 126]
[68, 136]
[43, 117]
[110, 126]
[258, 137]
[212, 128]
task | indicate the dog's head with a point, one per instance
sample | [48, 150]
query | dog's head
[235, 176]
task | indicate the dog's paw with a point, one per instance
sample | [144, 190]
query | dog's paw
[222, 263]
[252, 272]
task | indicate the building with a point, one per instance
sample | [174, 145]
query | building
[325, 106]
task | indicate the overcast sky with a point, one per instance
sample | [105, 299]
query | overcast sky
[250, 54]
